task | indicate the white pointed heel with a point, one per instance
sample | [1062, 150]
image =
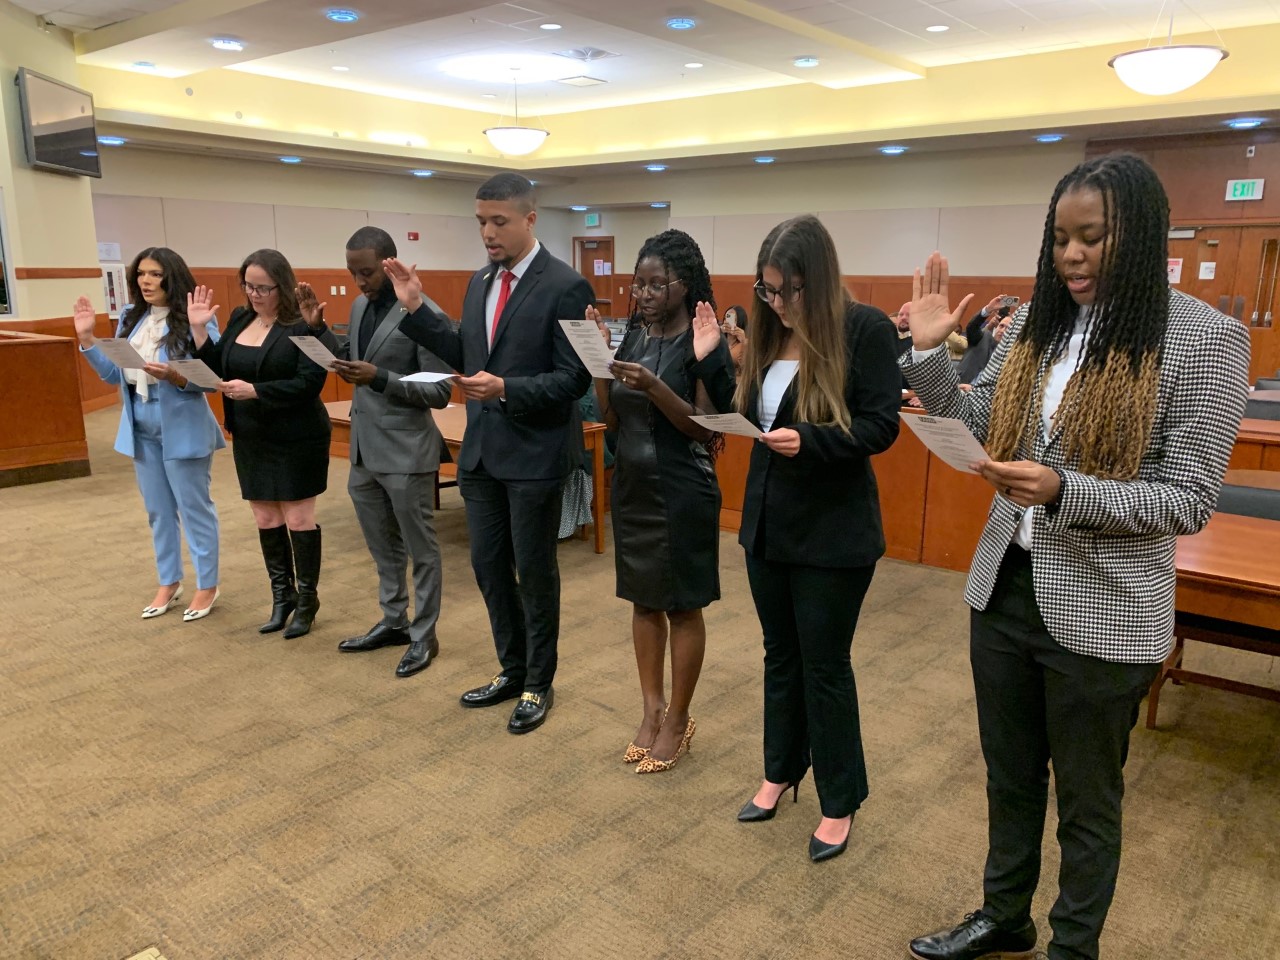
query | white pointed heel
[149, 612]
[189, 614]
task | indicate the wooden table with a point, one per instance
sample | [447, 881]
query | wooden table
[452, 423]
[1262, 479]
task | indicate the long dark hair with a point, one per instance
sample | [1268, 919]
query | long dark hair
[176, 281]
[1107, 411]
[281, 274]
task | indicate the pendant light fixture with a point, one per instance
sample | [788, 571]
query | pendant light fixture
[1172, 68]
[515, 140]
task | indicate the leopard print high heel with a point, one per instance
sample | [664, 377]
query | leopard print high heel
[652, 764]
[636, 754]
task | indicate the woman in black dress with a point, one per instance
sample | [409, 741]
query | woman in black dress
[673, 362]
[280, 431]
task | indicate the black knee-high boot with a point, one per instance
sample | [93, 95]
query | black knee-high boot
[278, 555]
[306, 561]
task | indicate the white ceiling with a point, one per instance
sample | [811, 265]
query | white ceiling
[398, 47]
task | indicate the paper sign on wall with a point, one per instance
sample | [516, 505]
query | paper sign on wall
[608, 268]
[1175, 270]
[599, 271]
[1208, 270]
[108, 251]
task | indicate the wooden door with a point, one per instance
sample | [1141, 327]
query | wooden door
[1258, 287]
[593, 256]
[1213, 250]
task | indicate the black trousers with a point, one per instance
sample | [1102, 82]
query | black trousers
[808, 615]
[513, 526]
[1039, 702]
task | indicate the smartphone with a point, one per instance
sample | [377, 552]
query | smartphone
[731, 320]
[1010, 301]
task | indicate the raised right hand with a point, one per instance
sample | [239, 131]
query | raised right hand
[406, 282]
[200, 310]
[311, 309]
[932, 318]
[593, 316]
[85, 318]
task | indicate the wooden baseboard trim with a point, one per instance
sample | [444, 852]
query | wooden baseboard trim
[57, 273]
[44, 472]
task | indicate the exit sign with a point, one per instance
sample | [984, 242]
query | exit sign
[1245, 189]
[591, 220]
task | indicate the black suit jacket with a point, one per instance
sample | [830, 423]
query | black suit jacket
[531, 435]
[821, 507]
[288, 383]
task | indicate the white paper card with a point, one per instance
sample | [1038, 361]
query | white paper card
[316, 350]
[120, 352]
[734, 423]
[108, 252]
[949, 440]
[1175, 269]
[584, 337]
[1208, 270]
[198, 372]
[427, 376]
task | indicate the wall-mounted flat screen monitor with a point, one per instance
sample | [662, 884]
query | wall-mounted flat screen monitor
[58, 122]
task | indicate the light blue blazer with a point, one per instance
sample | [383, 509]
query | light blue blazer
[188, 428]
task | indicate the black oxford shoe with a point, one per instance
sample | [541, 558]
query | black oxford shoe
[380, 636]
[977, 936]
[418, 657]
[497, 690]
[531, 711]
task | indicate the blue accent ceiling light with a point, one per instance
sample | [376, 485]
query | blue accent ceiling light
[423, 173]
[112, 141]
[290, 159]
[1049, 138]
[342, 15]
[805, 62]
[681, 23]
[765, 159]
[1244, 123]
[226, 43]
[655, 167]
[578, 209]
[893, 150]
[658, 206]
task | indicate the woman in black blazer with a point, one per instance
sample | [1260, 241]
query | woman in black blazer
[819, 377]
[280, 431]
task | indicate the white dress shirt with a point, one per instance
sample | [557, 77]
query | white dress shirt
[495, 288]
[776, 381]
[146, 339]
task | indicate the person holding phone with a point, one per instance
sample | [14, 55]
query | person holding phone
[1108, 412]
[166, 426]
[734, 328]
[280, 431]
[819, 379]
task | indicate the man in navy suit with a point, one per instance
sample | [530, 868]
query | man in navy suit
[522, 381]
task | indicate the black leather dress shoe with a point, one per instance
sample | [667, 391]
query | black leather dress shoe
[380, 636]
[417, 657]
[977, 936]
[497, 690]
[531, 711]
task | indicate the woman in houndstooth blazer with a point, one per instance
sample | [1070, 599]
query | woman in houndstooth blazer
[1109, 412]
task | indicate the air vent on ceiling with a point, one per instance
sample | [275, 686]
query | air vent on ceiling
[582, 81]
[585, 54]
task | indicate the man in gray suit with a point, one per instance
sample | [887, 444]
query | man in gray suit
[395, 451]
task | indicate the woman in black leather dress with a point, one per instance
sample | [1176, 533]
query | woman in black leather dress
[672, 363]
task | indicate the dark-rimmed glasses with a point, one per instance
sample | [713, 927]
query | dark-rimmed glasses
[768, 294]
[261, 289]
[655, 289]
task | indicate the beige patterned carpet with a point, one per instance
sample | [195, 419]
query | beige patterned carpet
[210, 793]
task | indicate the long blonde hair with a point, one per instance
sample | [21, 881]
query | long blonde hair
[804, 253]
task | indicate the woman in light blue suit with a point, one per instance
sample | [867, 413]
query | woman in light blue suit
[166, 425]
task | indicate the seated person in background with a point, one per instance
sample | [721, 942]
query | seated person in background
[987, 317]
[735, 328]
[902, 320]
[975, 361]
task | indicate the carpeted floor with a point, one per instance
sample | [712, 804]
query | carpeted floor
[212, 793]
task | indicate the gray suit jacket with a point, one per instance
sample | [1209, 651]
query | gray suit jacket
[393, 431]
[1104, 560]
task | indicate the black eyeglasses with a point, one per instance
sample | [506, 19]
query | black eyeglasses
[656, 289]
[768, 294]
[260, 289]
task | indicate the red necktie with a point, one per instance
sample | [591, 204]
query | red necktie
[507, 279]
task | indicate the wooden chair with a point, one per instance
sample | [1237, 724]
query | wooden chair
[1247, 502]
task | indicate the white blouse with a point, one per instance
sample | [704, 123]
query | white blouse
[776, 381]
[146, 339]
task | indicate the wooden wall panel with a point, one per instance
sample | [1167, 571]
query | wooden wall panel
[731, 472]
[902, 474]
[955, 512]
[39, 389]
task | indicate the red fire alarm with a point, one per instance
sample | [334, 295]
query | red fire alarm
[413, 234]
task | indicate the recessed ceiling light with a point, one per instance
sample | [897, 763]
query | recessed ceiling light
[893, 150]
[938, 28]
[765, 159]
[548, 26]
[489, 96]
[534, 182]
[655, 167]
[340, 69]
[658, 206]
[1049, 137]
[681, 23]
[578, 208]
[695, 65]
[88, 153]
[423, 173]
[805, 62]
[143, 65]
[1244, 123]
[112, 141]
[226, 43]
[341, 15]
[290, 159]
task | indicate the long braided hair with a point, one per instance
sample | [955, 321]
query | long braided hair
[1107, 410]
[176, 281]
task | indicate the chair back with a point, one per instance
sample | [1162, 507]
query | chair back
[1262, 409]
[1267, 383]
[1249, 502]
